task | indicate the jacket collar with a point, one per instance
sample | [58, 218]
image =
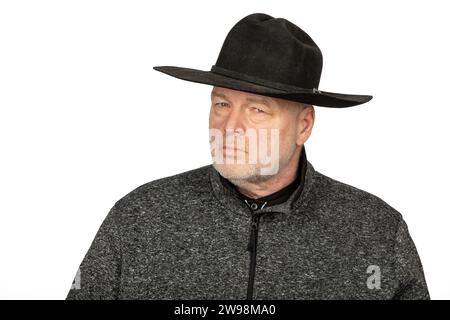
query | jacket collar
[230, 199]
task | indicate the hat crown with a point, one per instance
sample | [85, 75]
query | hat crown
[270, 49]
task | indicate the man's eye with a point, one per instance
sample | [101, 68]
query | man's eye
[221, 104]
[258, 110]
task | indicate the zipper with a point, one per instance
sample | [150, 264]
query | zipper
[252, 249]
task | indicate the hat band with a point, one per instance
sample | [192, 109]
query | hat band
[274, 85]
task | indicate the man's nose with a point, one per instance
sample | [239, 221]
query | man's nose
[235, 121]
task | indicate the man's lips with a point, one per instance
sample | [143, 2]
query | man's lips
[232, 150]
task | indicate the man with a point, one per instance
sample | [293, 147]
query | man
[260, 222]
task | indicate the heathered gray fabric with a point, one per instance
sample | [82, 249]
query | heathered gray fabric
[186, 237]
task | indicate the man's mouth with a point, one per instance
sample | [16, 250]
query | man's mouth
[232, 150]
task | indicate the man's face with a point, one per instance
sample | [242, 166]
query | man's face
[257, 136]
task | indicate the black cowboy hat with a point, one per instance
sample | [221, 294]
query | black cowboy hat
[272, 57]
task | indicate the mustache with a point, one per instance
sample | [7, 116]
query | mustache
[230, 142]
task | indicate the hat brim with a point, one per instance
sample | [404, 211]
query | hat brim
[318, 98]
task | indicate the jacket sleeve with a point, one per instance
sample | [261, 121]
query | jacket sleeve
[408, 267]
[98, 276]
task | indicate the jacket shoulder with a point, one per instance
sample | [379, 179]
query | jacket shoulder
[354, 203]
[181, 185]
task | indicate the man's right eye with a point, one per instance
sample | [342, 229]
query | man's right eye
[221, 104]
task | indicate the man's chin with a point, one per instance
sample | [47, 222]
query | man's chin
[237, 171]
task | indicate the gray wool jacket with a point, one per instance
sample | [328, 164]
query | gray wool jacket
[188, 236]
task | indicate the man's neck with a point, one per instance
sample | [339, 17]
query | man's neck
[285, 177]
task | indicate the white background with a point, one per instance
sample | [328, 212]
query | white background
[84, 119]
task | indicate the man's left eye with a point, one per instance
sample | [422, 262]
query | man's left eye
[258, 110]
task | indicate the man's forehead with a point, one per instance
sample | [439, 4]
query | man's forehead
[230, 93]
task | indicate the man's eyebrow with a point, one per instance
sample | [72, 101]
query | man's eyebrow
[257, 100]
[218, 94]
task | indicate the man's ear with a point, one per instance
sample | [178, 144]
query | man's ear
[305, 123]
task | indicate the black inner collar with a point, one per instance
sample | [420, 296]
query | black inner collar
[277, 197]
